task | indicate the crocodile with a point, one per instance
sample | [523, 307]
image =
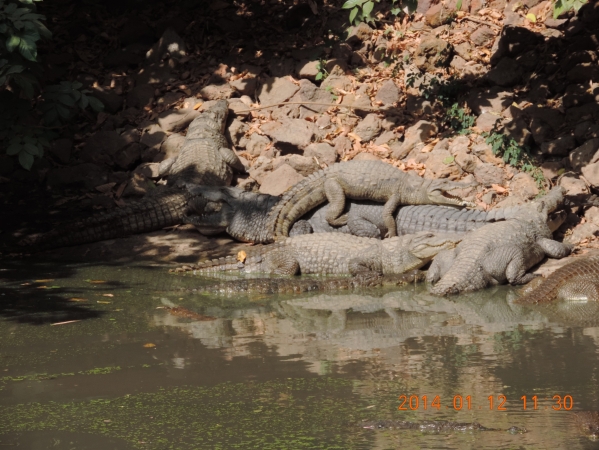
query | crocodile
[577, 281]
[500, 252]
[361, 180]
[434, 426]
[204, 159]
[333, 253]
[308, 284]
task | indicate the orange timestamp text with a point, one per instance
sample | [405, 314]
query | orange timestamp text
[492, 402]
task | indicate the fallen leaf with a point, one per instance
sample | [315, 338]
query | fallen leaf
[149, 345]
[44, 281]
[107, 295]
[25, 284]
[96, 281]
[499, 189]
[197, 106]
[531, 17]
[103, 302]
[241, 256]
[77, 299]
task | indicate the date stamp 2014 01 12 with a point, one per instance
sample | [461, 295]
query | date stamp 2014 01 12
[492, 402]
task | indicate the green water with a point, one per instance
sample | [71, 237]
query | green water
[95, 360]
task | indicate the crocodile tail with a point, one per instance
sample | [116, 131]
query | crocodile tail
[297, 201]
[150, 214]
[548, 289]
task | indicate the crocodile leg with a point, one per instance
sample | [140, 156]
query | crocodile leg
[282, 262]
[336, 197]
[389, 214]
[441, 265]
[231, 159]
[553, 248]
[359, 226]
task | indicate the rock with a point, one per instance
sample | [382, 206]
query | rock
[122, 57]
[421, 132]
[417, 105]
[256, 144]
[277, 182]
[466, 161]
[366, 157]
[494, 99]
[487, 121]
[577, 114]
[524, 186]
[136, 31]
[308, 69]
[457, 144]
[578, 94]
[541, 130]
[88, 174]
[432, 53]
[573, 186]
[359, 34]
[441, 164]
[560, 146]
[514, 41]
[61, 149]
[176, 119]
[148, 170]
[323, 121]
[276, 90]
[238, 108]
[236, 131]
[552, 169]
[584, 72]
[138, 186]
[369, 128]
[170, 44]
[581, 232]
[549, 115]
[261, 168]
[343, 145]
[153, 136]
[585, 131]
[464, 50]
[517, 130]
[245, 86]
[555, 23]
[127, 157]
[591, 173]
[585, 154]
[217, 92]
[482, 35]
[102, 143]
[171, 146]
[159, 73]
[437, 15]
[291, 135]
[488, 174]
[461, 65]
[337, 82]
[301, 164]
[111, 100]
[323, 152]
[141, 96]
[309, 92]
[388, 93]
[385, 138]
[281, 67]
[506, 73]
[592, 215]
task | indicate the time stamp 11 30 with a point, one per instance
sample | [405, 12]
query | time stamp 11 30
[492, 402]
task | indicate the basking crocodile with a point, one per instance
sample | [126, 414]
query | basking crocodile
[204, 159]
[335, 254]
[361, 180]
[300, 285]
[244, 216]
[577, 281]
[500, 252]
[434, 426]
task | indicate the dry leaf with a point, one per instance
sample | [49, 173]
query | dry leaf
[77, 299]
[241, 256]
[149, 345]
[103, 302]
[107, 295]
[499, 189]
[96, 281]
[531, 17]
[64, 323]
[42, 281]
[354, 136]
[197, 106]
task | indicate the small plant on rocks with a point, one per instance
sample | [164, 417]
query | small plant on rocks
[361, 10]
[514, 154]
[459, 119]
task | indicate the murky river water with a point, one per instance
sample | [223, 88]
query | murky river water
[91, 357]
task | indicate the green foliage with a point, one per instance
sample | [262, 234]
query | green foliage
[514, 154]
[361, 10]
[27, 120]
[322, 71]
[459, 119]
[561, 6]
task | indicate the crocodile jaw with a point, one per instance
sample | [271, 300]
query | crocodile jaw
[444, 197]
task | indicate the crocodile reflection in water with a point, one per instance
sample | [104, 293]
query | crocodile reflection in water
[360, 322]
[434, 426]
